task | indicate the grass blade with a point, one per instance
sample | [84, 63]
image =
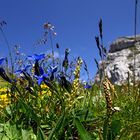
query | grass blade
[40, 135]
[57, 127]
[81, 130]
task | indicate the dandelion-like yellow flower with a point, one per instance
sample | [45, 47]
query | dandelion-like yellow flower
[4, 100]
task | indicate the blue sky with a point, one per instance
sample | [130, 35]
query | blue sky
[75, 21]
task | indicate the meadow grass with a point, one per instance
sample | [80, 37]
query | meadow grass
[47, 114]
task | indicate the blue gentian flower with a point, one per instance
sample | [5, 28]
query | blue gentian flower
[41, 78]
[41, 71]
[4, 75]
[36, 57]
[24, 74]
[52, 71]
[87, 86]
[2, 59]
[22, 70]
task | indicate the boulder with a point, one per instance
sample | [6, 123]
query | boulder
[123, 61]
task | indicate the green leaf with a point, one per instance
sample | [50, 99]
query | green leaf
[25, 134]
[3, 137]
[29, 111]
[1, 127]
[28, 135]
[81, 130]
[115, 127]
[105, 128]
[11, 131]
[111, 131]
[40, 134]
[59, 124]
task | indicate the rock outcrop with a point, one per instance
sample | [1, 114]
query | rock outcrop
[123, 60]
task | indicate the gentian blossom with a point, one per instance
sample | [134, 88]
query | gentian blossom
[4, 75]
[52, 71]
[23, 70]
[46, 76]
[42, 77]
[36, 57]
[25, 75]
[87, 86]
[2, 59]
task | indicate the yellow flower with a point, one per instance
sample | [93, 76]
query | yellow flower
[44, 86]
[3, 89]
[48, 92]
[45, 90]
[71, 100]
[4, 100]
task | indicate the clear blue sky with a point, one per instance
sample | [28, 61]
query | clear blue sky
[75, 21]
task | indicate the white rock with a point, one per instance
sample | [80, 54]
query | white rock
[120, 60]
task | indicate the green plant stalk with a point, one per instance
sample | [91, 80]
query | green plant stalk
[135, 32]
[134, 54]
[9, 49]
[106, 127]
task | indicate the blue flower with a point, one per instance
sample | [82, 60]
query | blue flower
[46, 76]
[87, 86]
[4, 75]
[22, 70]
[41, 71]
[51, 71]
[25, 75]
[2, 59]
[36, 57]
[41, 78]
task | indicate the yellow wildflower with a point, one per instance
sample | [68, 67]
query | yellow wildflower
[75, 85]
[44, 86]
[45, 90]
[4, 100]
[3, 89]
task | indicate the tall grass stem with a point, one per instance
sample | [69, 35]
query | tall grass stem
[9, 49]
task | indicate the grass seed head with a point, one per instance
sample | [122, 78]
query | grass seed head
[107, 95]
